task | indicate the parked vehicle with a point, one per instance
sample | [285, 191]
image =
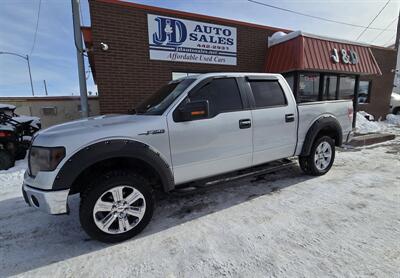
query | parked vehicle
[395, 103]
[15, 135]
[193, 129]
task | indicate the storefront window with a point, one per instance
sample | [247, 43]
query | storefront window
[363, 91]
[346, 87]
[308, 87]
[329, 91]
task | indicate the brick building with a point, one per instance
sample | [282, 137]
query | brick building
[148, 46]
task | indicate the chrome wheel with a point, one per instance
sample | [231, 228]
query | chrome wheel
[323, 156]
[119, 209]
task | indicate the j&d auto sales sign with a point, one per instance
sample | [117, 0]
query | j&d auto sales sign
[180, 40]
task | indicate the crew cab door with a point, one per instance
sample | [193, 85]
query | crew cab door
[206, 143]
[274, 118]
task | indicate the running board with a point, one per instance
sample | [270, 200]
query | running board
[253, 171]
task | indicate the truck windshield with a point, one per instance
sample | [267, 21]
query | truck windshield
[159, 101]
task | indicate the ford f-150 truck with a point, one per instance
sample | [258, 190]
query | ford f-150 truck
[192, 129]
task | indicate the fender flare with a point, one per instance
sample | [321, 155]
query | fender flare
[108, 149]
[323, 123]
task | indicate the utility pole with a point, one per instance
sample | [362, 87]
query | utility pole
[45, 87]
[79, 56]
[396, 44]
[396, 68]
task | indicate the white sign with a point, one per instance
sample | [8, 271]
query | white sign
[350, 57]
[180, 40]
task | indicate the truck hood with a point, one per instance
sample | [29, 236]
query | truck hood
[96, 128]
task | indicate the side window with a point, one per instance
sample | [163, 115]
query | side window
[267, 93]
[222, 94]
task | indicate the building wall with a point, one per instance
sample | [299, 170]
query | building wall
[51, 110]
[382, 85]
[125, 74]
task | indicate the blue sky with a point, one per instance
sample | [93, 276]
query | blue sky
[54, 58]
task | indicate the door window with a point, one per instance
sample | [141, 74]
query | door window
[364, 91]
[222, 94]
[267, 93]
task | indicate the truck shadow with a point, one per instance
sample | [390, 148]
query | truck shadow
[30, 239]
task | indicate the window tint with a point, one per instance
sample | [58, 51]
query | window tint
[346, 87]
[267, 93]
[329, 91]
[363, 91]
[222, 94]
[158, 102]
[308, 87]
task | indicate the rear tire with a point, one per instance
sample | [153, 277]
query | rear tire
[321, 157]
[116, 206]
[6, 160]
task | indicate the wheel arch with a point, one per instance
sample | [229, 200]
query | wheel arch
[325, 125]
[112, 154]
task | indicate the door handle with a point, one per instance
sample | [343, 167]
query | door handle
[244, 123]
[289, 118]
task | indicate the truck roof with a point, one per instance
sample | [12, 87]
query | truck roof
[230, 74]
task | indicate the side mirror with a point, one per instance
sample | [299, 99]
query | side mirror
[194, 110]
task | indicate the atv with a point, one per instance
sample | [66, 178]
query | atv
[15, 135]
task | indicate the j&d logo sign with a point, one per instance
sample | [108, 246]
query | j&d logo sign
[171, 32]
[347, 57]
[180, 40]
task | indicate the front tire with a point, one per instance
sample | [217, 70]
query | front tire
[116, 207]
[321, 157]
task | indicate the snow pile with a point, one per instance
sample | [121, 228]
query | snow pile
[393, 119]
[11, 179]
[369, 117]
[363, 126]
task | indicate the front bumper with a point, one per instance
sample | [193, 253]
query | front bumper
[52, 202]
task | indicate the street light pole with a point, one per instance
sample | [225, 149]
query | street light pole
[26, 58]
[30, 74]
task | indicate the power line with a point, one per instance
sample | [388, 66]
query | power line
[314, 16]
[372, 21]
[394, 20]
[36, 29]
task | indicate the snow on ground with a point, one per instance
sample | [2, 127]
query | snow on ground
[364, 126]
[346, 223]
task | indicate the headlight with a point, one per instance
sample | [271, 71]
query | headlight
[45, 159]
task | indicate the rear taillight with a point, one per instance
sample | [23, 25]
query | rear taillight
[5, 134]
[350, 112]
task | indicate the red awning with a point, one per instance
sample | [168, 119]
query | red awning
[307, 52]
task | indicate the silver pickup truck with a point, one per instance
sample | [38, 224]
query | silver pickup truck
[192, 129]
